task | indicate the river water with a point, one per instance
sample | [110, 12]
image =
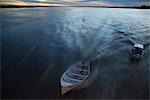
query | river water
[39, 44]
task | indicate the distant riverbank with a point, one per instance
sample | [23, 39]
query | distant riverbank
[26, 6]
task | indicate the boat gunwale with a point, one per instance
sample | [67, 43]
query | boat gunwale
[80, 81]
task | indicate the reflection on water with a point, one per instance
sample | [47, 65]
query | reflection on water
[39, 44]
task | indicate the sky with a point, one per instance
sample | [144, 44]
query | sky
[76, 2]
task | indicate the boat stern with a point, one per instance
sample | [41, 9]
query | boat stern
[64, 90]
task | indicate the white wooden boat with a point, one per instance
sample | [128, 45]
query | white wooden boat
[75, 76]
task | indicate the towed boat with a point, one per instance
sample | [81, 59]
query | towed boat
[74, 76]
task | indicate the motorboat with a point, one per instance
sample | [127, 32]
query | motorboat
[137, 51]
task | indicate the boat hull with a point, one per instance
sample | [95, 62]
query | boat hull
[65, 90]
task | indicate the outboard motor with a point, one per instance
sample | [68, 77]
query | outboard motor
[137, 51]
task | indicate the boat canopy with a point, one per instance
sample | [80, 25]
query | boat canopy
[138, 45]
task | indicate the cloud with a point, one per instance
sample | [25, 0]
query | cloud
[29, 3]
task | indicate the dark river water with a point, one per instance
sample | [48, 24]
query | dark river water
[39, 44]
